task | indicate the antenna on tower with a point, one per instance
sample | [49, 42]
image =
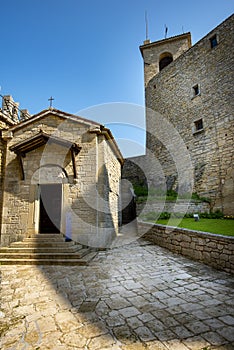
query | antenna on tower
[183, 29]
[166, 30]
[147, 40]
[146, 27]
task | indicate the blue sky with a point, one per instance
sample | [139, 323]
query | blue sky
[86, 53]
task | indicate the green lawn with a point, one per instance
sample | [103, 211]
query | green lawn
[219, 226]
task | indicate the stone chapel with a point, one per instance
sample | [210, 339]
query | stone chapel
[59, 173]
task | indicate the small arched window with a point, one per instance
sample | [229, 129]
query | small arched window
[165, 59]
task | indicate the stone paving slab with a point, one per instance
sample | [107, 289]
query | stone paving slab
[135, 297]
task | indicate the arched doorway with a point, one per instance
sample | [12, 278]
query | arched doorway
[50, 180]
[50, 208]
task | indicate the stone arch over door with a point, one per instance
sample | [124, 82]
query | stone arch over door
[49, 174]
[48, 186]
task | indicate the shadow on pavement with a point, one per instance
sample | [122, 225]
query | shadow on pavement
[138, 296]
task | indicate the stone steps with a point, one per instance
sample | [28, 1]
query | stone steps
[50, 255]
[46, 249]
[62, 249]
[70, 262]
[55, 236]
[48, 244]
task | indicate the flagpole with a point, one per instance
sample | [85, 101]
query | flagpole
[146, 26]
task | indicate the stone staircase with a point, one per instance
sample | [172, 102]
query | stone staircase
[46, 249]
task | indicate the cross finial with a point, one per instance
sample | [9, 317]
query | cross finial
[51, 99]
[166, 30]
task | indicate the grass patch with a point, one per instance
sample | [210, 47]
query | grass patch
[219, 226]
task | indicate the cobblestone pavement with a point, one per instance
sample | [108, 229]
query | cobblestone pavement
[134, 297]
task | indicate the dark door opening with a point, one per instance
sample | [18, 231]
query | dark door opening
[50, 208]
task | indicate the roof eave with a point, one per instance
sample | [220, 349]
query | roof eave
[162, 41]
[57, 113]
[109, 137]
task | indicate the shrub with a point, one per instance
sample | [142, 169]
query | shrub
[189, 215]
[141, 191]
[216, 215]
[153, 216]
[172, 195]
[164, 215]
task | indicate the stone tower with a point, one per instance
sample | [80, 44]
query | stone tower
[159, 54]
[191, 87]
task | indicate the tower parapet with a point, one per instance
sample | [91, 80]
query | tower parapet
[157, 55]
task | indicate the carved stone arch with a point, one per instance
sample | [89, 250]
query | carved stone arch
[49, 174]
[165, 59]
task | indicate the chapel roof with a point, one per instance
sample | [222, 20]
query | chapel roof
[56, 112]
[94, 127]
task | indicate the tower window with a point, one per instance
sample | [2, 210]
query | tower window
[213, 41]
[165, 59]
[196, 90]
[198, 125]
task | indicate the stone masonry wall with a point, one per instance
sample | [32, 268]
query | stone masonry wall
[2, 162]
[214, 250]
[21, 208]
[112, 180]
[171, 94]
[182, 206]
[146, 171]
[5, 122]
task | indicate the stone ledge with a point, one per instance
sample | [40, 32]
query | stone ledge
[211, 249]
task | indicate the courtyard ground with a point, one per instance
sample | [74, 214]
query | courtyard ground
[134, 297]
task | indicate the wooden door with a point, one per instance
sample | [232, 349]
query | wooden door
[50, 208]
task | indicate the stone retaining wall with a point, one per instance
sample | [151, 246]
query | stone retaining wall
[211, 249]
[181, 206]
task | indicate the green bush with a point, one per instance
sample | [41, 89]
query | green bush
[172, 194]
[188, 215]
[216, 215]
[164, 215]
[141, 191]
[153, 216]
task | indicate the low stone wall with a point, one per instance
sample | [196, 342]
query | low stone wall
[208, 248]
[180, 206]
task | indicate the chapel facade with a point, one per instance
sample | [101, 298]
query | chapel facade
[60, 173]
